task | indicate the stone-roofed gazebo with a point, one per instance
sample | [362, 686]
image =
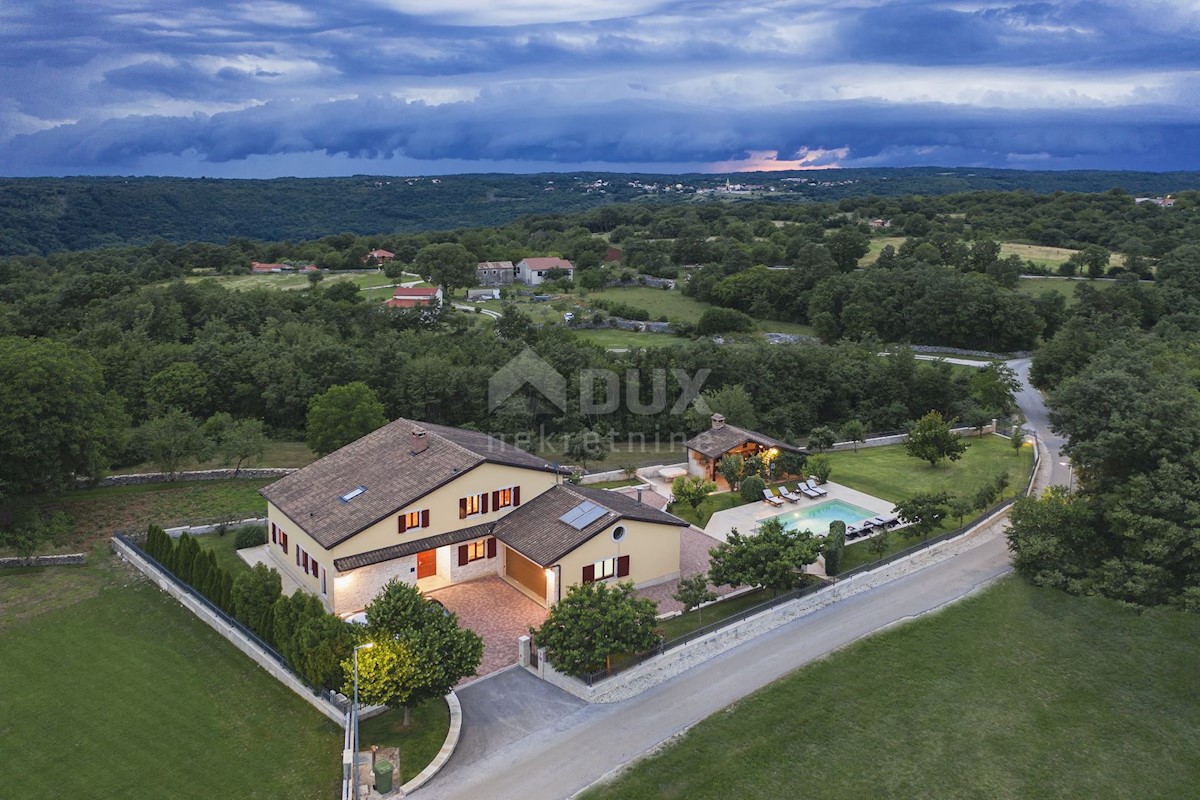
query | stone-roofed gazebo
[709, 447]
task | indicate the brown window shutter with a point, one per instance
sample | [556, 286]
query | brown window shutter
[495, 498]
[403, 524]
[297, 556]
[315, 567]
[589, 573]
[425, 518]
[622, 566]
[463, 556]
[283, 541]
[516, 495]
[483, 498]
[462, 508]
[274, 536]
[491, 547]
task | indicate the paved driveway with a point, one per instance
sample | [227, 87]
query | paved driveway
[497, 612]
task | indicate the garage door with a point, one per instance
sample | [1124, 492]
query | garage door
[525, 572]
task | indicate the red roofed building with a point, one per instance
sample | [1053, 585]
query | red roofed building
[379, 256]
[261, 269]
[411, 297]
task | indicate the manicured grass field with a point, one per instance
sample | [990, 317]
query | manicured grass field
[114, 690]
[711, 505]
[891, 474]
[96, 513]
[1017, 693]
[675, 627]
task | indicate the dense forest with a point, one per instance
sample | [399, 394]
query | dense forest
[39, 216]
[110, 355]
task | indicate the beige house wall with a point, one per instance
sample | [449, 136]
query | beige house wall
[653, 550]
[442, 504]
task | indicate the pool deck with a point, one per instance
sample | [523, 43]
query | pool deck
[747, 517]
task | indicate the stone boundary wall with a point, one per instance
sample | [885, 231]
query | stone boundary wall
[197, 475]
[604, 477]
[207, 528]
[232, 634]
[897, 438]
[44, 561]
[959, 351]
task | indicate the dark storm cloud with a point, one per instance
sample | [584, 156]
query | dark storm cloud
[110, 84]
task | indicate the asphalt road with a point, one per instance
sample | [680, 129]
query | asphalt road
[525, 740]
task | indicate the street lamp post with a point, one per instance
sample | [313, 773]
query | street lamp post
[354, 715]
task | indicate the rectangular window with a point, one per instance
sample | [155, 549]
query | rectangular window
[503, 498]
[304, 561]
[274, 534]
[313, 567]
[476, 550]
[605, 568]
[283, 542]
[324, 590]
[472, 505]
[414, 519]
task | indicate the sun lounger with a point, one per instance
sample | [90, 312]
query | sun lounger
[885, 520]
[786, 495]
[806, 491]
[770, 498]
[812, 484]
[852, 532]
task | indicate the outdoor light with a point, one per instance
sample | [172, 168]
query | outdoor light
[354, 712]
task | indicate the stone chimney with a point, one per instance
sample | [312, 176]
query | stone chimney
[718, 421]
[420, 440]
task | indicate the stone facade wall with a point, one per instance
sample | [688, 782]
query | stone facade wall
[199, 475]
[44, 561]
[479, 568]
[353, 590]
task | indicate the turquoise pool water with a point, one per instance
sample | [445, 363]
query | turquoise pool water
[817, 516]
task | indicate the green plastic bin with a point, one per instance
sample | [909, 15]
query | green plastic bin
[383, 776]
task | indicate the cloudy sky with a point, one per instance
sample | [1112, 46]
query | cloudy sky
[270, 88]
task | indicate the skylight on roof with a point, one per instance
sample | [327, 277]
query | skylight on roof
[353, 493]
[583, 515]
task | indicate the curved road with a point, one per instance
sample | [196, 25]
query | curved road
[526, 740]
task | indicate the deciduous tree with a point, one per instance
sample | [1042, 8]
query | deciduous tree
[931, 439]
[342, 414]
[693, 592]
[594, 622]
[772, 556]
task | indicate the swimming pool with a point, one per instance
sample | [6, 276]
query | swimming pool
[817, 517]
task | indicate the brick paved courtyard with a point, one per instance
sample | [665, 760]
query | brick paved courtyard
[497, 612]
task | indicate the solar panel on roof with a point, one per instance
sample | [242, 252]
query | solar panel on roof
[583, 515]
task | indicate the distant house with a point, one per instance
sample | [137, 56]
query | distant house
[265, 269]
[533, 271]
[494, 273]
[413, 296]
[706, 449]
[378, 256]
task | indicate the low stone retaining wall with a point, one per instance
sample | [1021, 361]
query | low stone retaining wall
[897, 438]
[238, 639]
[198, 475]
[71, 559]
[603, 477]
[200, 530]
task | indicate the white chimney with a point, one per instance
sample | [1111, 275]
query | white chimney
[718, 421]
[419, 440]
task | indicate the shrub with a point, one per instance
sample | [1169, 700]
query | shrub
[820, 467]
[752, 488]
[250, 536]
[724, 320]
[835, 547]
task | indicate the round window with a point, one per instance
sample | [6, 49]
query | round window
[618, 533]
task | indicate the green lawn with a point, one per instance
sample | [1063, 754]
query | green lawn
[711, 505]
[891, 474]
[624, 452]
[226, 553]
[278, 454]
[675, 627]
[123, 693]
[419, 743]
[1013, 694]
[615, 338]
[1035, 287]
[96, 513]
